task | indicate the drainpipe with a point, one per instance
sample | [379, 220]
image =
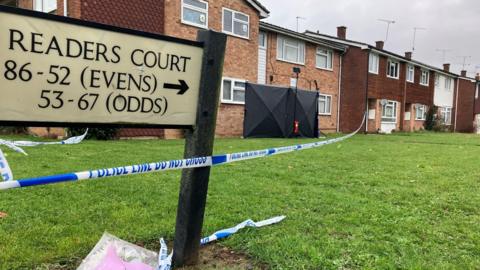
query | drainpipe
[456, 106]
[65, 8]
[404, 105]
[366, 114]
[339, 99]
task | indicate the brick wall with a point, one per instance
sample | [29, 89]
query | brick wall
[353, 92]
[417, 93]
[382, 87]
[466, 100]
[241, 58]
[280, 73]
[145, 15]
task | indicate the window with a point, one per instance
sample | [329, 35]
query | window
[324, 59]
[236, 23]
[446, 115]
[290, 50]
[448, 83]
[233, 91]
[425, 77]
[389, 112]
[47, 6]
[373, 61]
[411, 74]
[262, 40]
[325, 105]
[392, 69]
[421, 112]
[195, 12]
[437, 80]
[478, 91]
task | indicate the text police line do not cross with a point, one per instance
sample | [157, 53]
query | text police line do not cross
[64, 71]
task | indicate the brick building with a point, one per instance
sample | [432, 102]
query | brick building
[465, 104]
[319, 62]
[477, 105]
[395, 91]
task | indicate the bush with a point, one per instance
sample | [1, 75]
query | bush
[13, 130]
[103, 134]
[430, 121]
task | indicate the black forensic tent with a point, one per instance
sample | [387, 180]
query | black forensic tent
[271, 112]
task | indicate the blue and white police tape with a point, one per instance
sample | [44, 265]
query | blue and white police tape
[16, 145]
[165, 260]
[247, 223]
[5, 171]
[190, 163]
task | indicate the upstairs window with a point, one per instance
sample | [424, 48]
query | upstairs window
[421, 112]
[233, 91]
[448, 83]
[325, 105]
[195, 12]
[290, 50]
[236, 23]
[393, 69]
[478, 91]
[47, 6]
[437, 80]
[411, 74]
[324, 59]
[373, 61]
[425, 77]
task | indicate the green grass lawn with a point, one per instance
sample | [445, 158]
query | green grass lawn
[405, 201]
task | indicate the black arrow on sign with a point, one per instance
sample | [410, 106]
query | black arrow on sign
[182, 87]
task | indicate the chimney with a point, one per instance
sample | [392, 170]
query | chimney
[408, 55]
[446, 67]
[379, 45]
[477, 77]
[463, 73]
[342, 32]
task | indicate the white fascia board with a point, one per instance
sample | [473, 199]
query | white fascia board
[361, 46]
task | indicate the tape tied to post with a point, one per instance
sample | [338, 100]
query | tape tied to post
[191, 163]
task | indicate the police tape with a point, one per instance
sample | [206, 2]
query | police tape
[16, 145]
[165, 260]
[161, 166]
[5, 171]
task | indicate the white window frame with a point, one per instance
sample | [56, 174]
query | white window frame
[43, 6]
[183, 6]
[300, 45]
[448, 81]
[373, 58]
[443, 112]
[329, 55]
[424, 114]
[233, 23]
[327, 98]
[393, 62]
[437, 80]
[411, 71]
[233, 81]
[395, 110]
[477, 92]
[425, 82]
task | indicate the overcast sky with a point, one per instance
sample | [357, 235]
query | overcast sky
[450, 24]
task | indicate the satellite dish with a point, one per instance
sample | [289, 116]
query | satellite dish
[383, 102]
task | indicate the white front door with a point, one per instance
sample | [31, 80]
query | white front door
[389, 117]
[262, 58]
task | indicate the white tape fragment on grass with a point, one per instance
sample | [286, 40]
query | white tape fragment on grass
[165, 261]
[5, 171]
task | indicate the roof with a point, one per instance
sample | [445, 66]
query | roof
[264, 12]
[301, 36]
[364, 46]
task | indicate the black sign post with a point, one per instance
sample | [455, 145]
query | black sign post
[199, 143]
